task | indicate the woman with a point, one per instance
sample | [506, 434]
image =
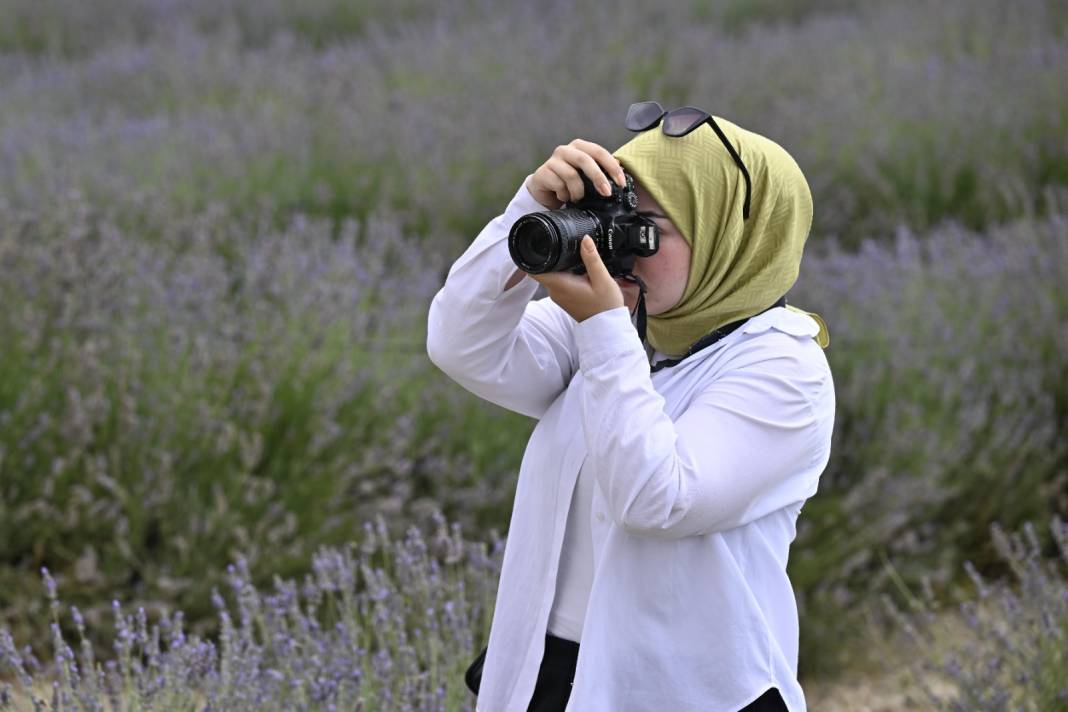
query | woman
[645, 563]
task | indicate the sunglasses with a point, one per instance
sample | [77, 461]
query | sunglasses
[645, 115]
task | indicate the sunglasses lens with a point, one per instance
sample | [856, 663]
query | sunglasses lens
[682, 121]
[643, 115]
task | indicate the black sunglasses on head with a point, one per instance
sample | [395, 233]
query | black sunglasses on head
[645, 115]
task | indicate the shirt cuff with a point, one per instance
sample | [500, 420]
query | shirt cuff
[606, 335]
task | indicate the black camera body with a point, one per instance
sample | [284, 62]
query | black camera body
[549, 241]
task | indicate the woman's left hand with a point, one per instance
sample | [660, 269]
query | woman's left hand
[582, 296]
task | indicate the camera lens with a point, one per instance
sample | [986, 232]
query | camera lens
[548, 241]
[534, 243]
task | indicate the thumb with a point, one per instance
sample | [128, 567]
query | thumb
[592, 259]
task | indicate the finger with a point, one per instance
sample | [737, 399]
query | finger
[608, 162]
[590, 167]
[594, 265]
[555, 183]
[567, 173]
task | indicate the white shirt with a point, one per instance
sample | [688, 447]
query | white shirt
[574, 576]
[700, 473]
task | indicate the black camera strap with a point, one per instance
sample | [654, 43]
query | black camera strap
[631, 277]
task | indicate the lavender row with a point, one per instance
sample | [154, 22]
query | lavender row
[948, 352]
[392, 624]
[897, 112]
[168, 405]
[389, 624]
[1005, 646]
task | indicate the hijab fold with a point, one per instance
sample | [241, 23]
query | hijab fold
[738, 267]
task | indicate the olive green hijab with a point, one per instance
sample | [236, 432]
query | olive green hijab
[738, 267]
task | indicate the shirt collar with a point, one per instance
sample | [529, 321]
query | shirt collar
[780, 318]
[783, 319]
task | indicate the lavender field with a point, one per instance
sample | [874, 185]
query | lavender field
[230, 477]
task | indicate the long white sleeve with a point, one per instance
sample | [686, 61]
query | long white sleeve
[500, 345]
[753, 441]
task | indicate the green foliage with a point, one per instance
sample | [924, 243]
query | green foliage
[137, 459]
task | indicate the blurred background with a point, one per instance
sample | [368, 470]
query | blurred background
[222, 223]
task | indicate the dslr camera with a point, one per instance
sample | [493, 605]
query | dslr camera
[549, 241]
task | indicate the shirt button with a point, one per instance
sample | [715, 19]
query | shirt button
[600, 516]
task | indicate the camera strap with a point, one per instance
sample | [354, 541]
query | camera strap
[631, 277]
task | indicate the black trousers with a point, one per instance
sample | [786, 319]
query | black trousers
[557, 672]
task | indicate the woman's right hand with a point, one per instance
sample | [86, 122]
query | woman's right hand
[557, 180]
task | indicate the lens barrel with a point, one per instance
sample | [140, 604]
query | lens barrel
[549, 241]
